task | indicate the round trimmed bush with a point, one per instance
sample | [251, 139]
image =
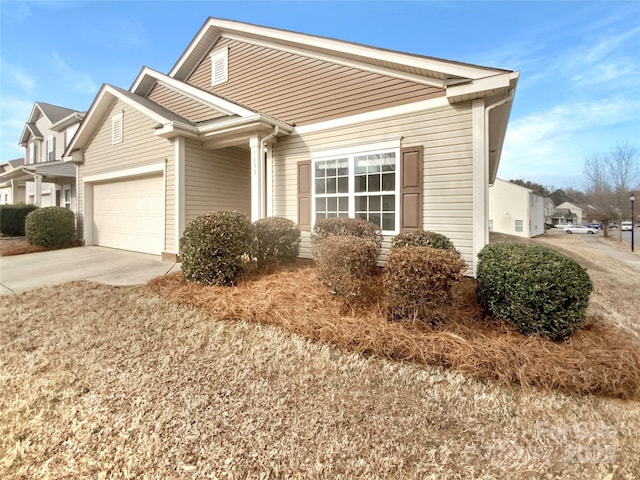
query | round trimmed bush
[424, 238]
[52, 227]
[217, 247]
[277, 241]
[536, 289]
[345, 264]
[419, 280]
[341, 226]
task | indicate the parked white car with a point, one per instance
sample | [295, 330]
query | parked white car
[580, 229]
[626, 226]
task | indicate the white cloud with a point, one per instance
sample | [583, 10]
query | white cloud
[16, 76]
[557, 140]
[78, 81]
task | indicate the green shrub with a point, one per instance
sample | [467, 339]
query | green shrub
[50, 227]
[424, 238]
[216, 248]
[341, 226]
[418, 281]
[13, 217]
[345, 265]
[277, 241]
[537, 289]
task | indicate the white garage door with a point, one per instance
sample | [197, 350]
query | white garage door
[129, 215]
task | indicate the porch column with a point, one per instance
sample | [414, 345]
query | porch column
[257, 180]
[38, 179]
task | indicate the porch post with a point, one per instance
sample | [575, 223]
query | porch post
[257, 180]
[38, 179]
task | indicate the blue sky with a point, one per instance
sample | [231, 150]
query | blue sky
[579, 89]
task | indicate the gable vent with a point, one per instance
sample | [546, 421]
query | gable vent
[220, 66]
[116, 129]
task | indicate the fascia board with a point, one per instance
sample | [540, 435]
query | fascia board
[255, 120]
[209, 99]
[67, 121]
[492, 83]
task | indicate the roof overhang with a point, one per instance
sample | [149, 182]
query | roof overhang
[67, 121]
[51, 171]
[29, 130]
[498, 104]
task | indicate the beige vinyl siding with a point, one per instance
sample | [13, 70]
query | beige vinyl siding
[216, 180]
[140, 147]
[445, 133]
[302, 90]
[182, 105]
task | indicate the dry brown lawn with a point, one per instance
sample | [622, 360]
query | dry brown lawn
[17, 246]
[118, 382]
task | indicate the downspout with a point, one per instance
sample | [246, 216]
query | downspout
[263, 142]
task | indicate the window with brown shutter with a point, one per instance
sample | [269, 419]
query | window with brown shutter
[304, 195]
[411, 188]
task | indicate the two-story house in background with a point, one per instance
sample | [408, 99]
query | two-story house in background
[45, 178]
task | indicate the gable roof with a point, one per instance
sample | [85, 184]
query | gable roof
[422, 69]
[58, 117]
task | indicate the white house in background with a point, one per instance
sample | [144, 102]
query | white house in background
[515, 210]
[11, 192]
[577, 211]
[277, 123]
[47, 179]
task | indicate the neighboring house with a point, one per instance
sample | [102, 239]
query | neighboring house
[577, 211]
[515, 210]
[276, 123]
[48, 180]
[564, 216]
[11, 191]
[549, 210]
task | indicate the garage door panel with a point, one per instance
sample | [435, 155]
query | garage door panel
[129, 215]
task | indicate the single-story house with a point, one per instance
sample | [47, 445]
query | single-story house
[277, 123]
[515, 210]
[11, 191]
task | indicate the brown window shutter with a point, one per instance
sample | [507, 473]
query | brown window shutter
[304, 195]
[411, 189]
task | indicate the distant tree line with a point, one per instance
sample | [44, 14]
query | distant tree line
[609, 180]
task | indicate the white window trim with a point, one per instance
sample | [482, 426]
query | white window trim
[115, 120]
[221, 54]
[351, 153]
[50, 148]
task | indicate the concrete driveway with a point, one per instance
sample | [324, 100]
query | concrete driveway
[98, 264]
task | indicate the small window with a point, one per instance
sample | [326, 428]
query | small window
[51, 148]
[67, 198]
[220, 66]
[116, 129]
[519, 226]
[33, 152]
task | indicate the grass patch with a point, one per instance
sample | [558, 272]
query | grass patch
[600, 359]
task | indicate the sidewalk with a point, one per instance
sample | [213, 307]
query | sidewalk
[632, 259]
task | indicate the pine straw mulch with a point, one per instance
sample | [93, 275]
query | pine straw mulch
[600, 359]
[17, 246]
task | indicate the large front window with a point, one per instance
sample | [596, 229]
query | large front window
[358, 185]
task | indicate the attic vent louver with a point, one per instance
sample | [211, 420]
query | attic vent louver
[220, 66]
[116, 129]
